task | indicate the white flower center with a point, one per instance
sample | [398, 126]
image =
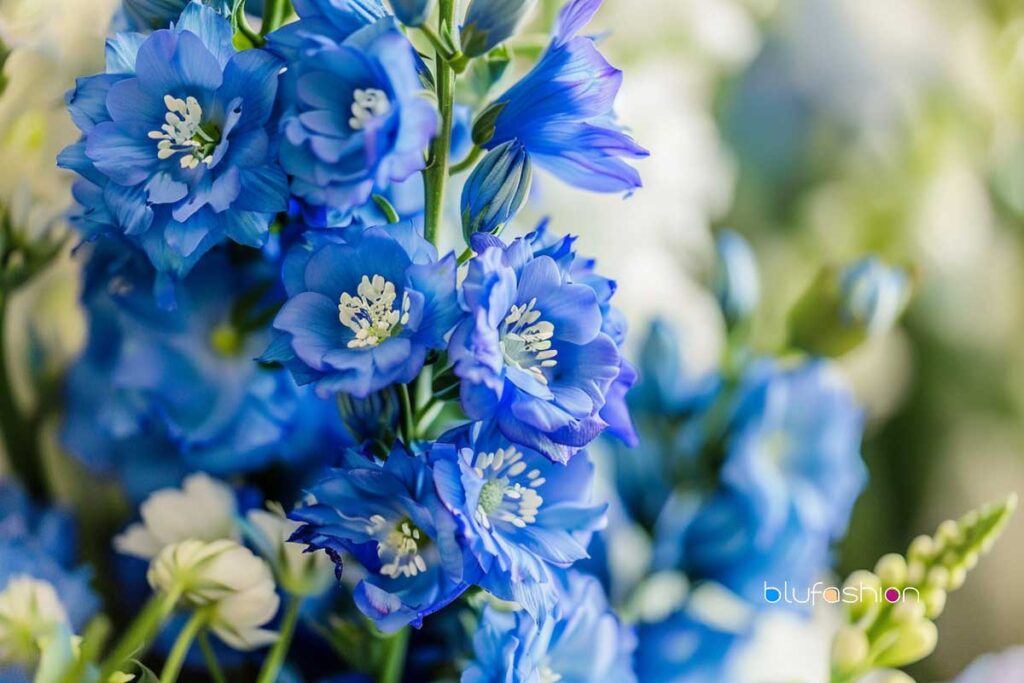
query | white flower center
[509, 493]
[367, 105]
[398, 547]
[371, 314]
[526, 342]
[547, 675]
[183, 133]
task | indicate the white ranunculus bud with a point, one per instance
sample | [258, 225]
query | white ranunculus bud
[299, 572]
[226, 578]
[29, 611]
[203, 509]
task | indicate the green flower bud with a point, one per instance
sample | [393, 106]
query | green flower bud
[892, 570]
[913, 642]
[850, 649]
[934, 601]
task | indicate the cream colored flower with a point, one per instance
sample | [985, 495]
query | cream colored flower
[203, 509]
[226, 578]
[299, 572]
[29, 611]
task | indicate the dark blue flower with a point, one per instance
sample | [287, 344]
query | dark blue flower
[523, 516]
[491, 22]
[496, 189]
[176, 153]
[147, 15]
[158, 393]
[583, 642]
[363, 312]
[355, 117]
[42, 543]
[561, 111]
[531, 354]
[390, 519]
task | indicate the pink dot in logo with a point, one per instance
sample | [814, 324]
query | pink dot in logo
[892, 595]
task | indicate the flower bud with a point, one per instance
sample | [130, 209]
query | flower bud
[29, 610]
[736, 281]
[841, 309]
[921, 549]
[299, 572]
[412, 12]
[228, 579]
[496, 189]
[892, 570]
[491, 22]
[874, 294]
[934, 601]
[850, 648]
[867, 587]
[913, 642]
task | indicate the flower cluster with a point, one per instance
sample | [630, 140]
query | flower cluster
[327, 428]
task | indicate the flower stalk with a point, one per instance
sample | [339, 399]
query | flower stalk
[182, 644]
[436, 175]
[275, 660]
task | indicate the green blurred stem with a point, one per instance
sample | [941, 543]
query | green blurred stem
[408, 421]
[242, 24]
[182, 644]
[394, 664]
[210, 657]
[275, 13]
[466, 163]
[20, 432]
[275, 660]
[136, 639]
[436, 175]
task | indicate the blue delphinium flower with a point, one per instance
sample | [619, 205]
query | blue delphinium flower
[728, 542]
[584, 642]
[491, 22]
[683, 648]
[794, 444]
[389, 517]
[158, 393]
[355, 118]
[412, 12]
[496, 189]
[362, 313]
[561, 111]
[146, 15]
[323, 23]
[523, 516]
[176, 152]
[531, 354]
[873, 294]
[42, 543]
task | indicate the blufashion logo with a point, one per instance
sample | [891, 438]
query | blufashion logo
[833, 595]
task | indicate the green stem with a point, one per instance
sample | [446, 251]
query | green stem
[390, 213]
[20, 433]
[212, 663]
[466, 163]
[408, 424]
[436, 174]
[284, 640]
[135, 640]
[275, 12]
[242, 24]
[394, 665]
[182, 644]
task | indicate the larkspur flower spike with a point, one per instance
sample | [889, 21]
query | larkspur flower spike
[891, 623]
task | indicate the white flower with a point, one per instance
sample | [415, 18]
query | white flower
[203, 509]
[29, 611]
[227, 579]
[299, 572]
